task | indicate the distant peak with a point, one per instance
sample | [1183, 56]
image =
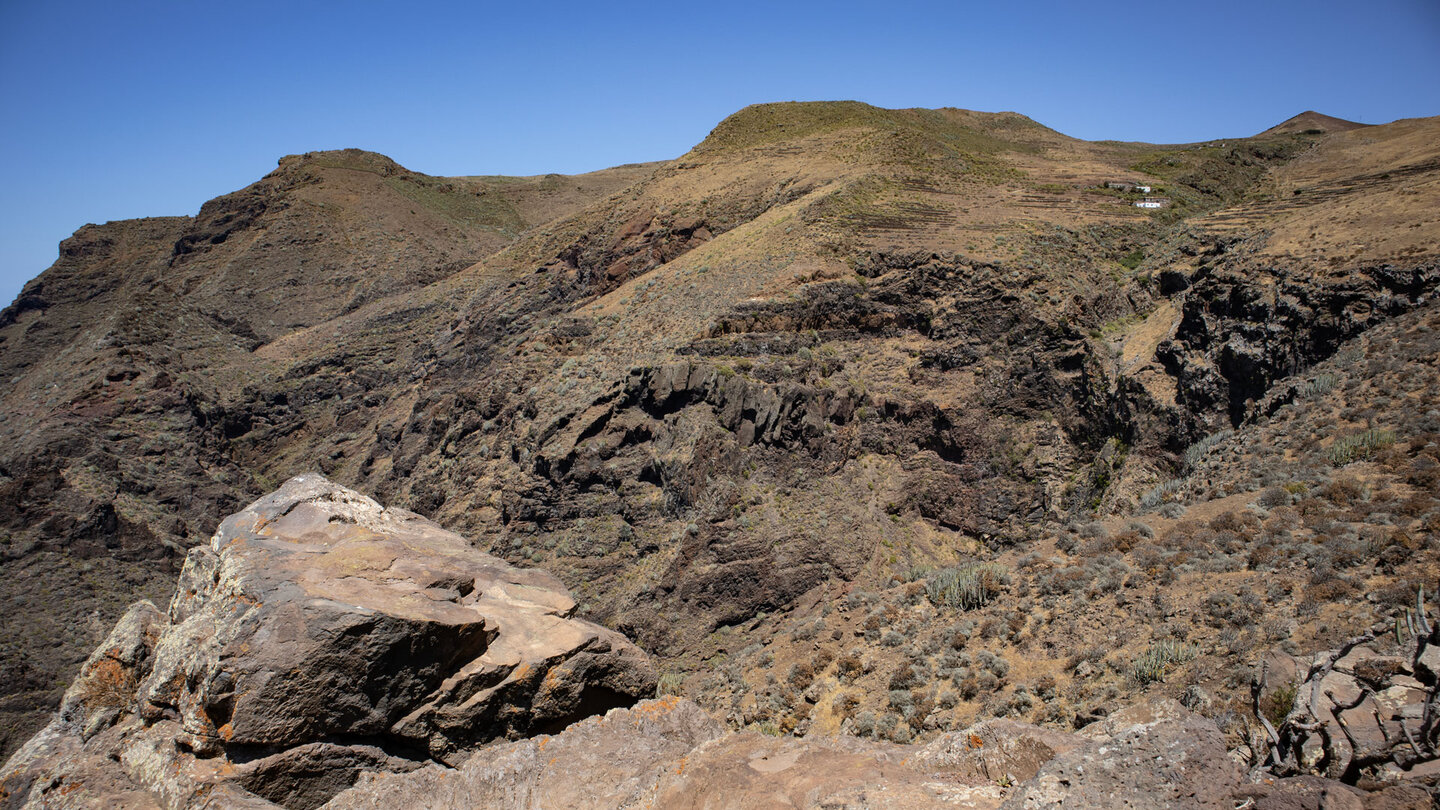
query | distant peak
[358, 159]
[1311, 121]
[781, 121]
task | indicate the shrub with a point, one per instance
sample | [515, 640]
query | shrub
[906, 677]
[801, 675]
[1322, 384]
[993, 663]
[989, 682]
[1274, 497]
[671, 683]
[1197, 451]
[807, 630]
[886, 724]
[1359, 446]
[1172, 510]
[1238, 609]
[901, 700]
[966, 587]
[1091, 655]
[1161, 493]
[1159, 659]
[959, 634]
[969, 687]
[865, 723]
[1278, 704]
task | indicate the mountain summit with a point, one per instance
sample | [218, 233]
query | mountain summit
[1314, 122]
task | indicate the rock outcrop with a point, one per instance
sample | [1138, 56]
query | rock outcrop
[317, 635]
[324, 651]
[667, 753]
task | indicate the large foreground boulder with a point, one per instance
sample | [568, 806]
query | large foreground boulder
[316, 636]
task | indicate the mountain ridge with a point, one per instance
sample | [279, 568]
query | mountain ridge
[831, 354]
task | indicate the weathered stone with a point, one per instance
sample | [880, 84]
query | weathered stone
[105, 688]
[315, 612]
[307, 776]
[1398, 797]
[317, 635]
[668, 753]
[1301, 793]
[603, 762]
[1152, 755]
[751, 770]
[994, 751]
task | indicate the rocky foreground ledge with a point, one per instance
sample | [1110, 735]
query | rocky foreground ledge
[319, 634]
[325, 651]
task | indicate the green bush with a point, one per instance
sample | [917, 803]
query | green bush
[1280, 702]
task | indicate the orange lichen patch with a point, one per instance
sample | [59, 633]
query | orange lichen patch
[227, 732]
[654, 708]
[108, 683]
[974, 741]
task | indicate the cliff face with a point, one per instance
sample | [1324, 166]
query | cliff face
[767, 408]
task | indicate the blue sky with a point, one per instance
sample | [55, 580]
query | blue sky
[117, 110]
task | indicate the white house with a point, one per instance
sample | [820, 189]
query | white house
[1148, 203]
[1143, 189]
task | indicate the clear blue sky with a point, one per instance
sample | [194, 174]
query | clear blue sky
[125, 109]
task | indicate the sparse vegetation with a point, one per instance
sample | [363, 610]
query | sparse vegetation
[966, 587]
[1360, 446]
[1159, 659]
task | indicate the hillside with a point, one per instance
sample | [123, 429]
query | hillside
[861, 419]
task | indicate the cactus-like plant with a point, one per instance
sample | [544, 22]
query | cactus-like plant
[966, 587]
[1159, 659]
[1360, 446]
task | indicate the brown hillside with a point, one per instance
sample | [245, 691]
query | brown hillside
[844, 415]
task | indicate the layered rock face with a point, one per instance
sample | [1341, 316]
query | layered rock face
[316, 635]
